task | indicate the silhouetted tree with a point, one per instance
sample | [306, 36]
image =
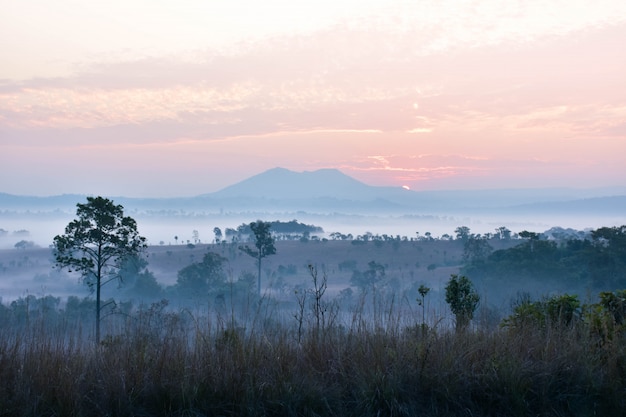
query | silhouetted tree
[462, 233]
[476, 249]
[463, 300]
[531, 236]
[218, 234]
[198, 278]
[264, 244]
[372, 276]
[137, 279]
[503, 232]
[23, 244]
[96, 244]
[423, 291]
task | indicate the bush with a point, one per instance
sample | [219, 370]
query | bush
[558, 310]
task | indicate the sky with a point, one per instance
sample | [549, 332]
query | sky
[158, 98]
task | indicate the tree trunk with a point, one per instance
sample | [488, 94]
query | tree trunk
[259, 277]
[98, 282]
[98, 309]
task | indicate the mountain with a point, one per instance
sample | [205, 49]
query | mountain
[283, 184]
[612, 205]
[328, 191]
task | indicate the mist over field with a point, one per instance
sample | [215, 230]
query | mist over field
[359, 208]
[327, 199]
[42, 228]
[333, 201]
[369, 269]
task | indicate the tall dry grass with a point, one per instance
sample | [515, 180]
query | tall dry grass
[158, 362]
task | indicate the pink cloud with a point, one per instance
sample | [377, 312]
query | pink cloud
[482, 114]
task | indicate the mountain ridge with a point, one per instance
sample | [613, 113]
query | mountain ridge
[286, 184]
[329, 190]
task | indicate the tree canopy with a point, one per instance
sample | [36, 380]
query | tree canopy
[598, 262]
[264, 244]
[200, 277]
[463, 300]
[96, 244]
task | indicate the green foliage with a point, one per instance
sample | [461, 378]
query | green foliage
[615, 304]
[476, 250]
[569, 264]
[137, 280]
[218, 234]
[264, 244]
[146, 286]
[563, 309]
[462, 233]
[285, 229]
[423, 290]
[558, 310]
[24, 244]
[167, 363]
[525, 234]
[368, 278]
[503, 233]
[605, 319]
[462, 299]
[197, 279]
[97, 244]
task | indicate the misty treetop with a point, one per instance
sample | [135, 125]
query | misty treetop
[280, 228]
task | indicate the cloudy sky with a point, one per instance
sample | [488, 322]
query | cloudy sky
[179, 98]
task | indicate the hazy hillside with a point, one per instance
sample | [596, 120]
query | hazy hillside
[329, 190]
[332, 200]
[280, 183]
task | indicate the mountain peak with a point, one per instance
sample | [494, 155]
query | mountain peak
[281, 183]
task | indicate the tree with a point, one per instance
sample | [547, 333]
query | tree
[462, 233]
[463, 300]
[423, 291]
[198, 278]
[23, 244]
[503, 232]
[476, 250]
[146, 285]
[531, 236]
[137, 279]
[218, 234]
[264, 243]
[96, 244]
[374, 274]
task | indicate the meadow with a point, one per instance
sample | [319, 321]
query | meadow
[158, 362]
[309, 349]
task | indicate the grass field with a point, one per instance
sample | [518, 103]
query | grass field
[158, 362]
[303, 353]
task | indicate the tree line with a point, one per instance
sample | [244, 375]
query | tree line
[103, 246]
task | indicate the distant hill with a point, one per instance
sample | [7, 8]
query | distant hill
[613, 205]
[283, 184]
[57, 202]
[331, 191]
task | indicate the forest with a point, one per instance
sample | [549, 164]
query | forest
[264, 322]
